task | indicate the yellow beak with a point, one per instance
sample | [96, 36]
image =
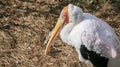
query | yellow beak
[54, 34]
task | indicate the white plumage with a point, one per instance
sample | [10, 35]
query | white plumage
[95, 34]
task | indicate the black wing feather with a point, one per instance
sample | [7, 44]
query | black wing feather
[96, 59]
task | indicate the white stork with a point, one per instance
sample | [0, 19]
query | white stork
[95, 41]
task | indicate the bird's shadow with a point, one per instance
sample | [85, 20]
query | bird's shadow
[54, 52]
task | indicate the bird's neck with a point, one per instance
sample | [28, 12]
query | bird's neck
[64, 34]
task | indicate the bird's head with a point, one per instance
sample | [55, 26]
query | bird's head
[69, 14]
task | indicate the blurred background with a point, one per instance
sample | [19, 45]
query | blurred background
[25, 26]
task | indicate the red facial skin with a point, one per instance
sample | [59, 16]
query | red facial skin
[64, 14]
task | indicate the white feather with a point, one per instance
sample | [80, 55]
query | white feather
[95, 34]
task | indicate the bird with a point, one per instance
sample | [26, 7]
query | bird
[94, 39]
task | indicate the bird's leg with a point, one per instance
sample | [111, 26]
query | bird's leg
[89, 64]
[83, 60]
[80, 56]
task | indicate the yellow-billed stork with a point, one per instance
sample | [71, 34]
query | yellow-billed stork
[95, 41]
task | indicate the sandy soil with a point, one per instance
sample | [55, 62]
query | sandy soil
[25, 25]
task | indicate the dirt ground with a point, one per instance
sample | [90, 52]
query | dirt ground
[25, 25]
